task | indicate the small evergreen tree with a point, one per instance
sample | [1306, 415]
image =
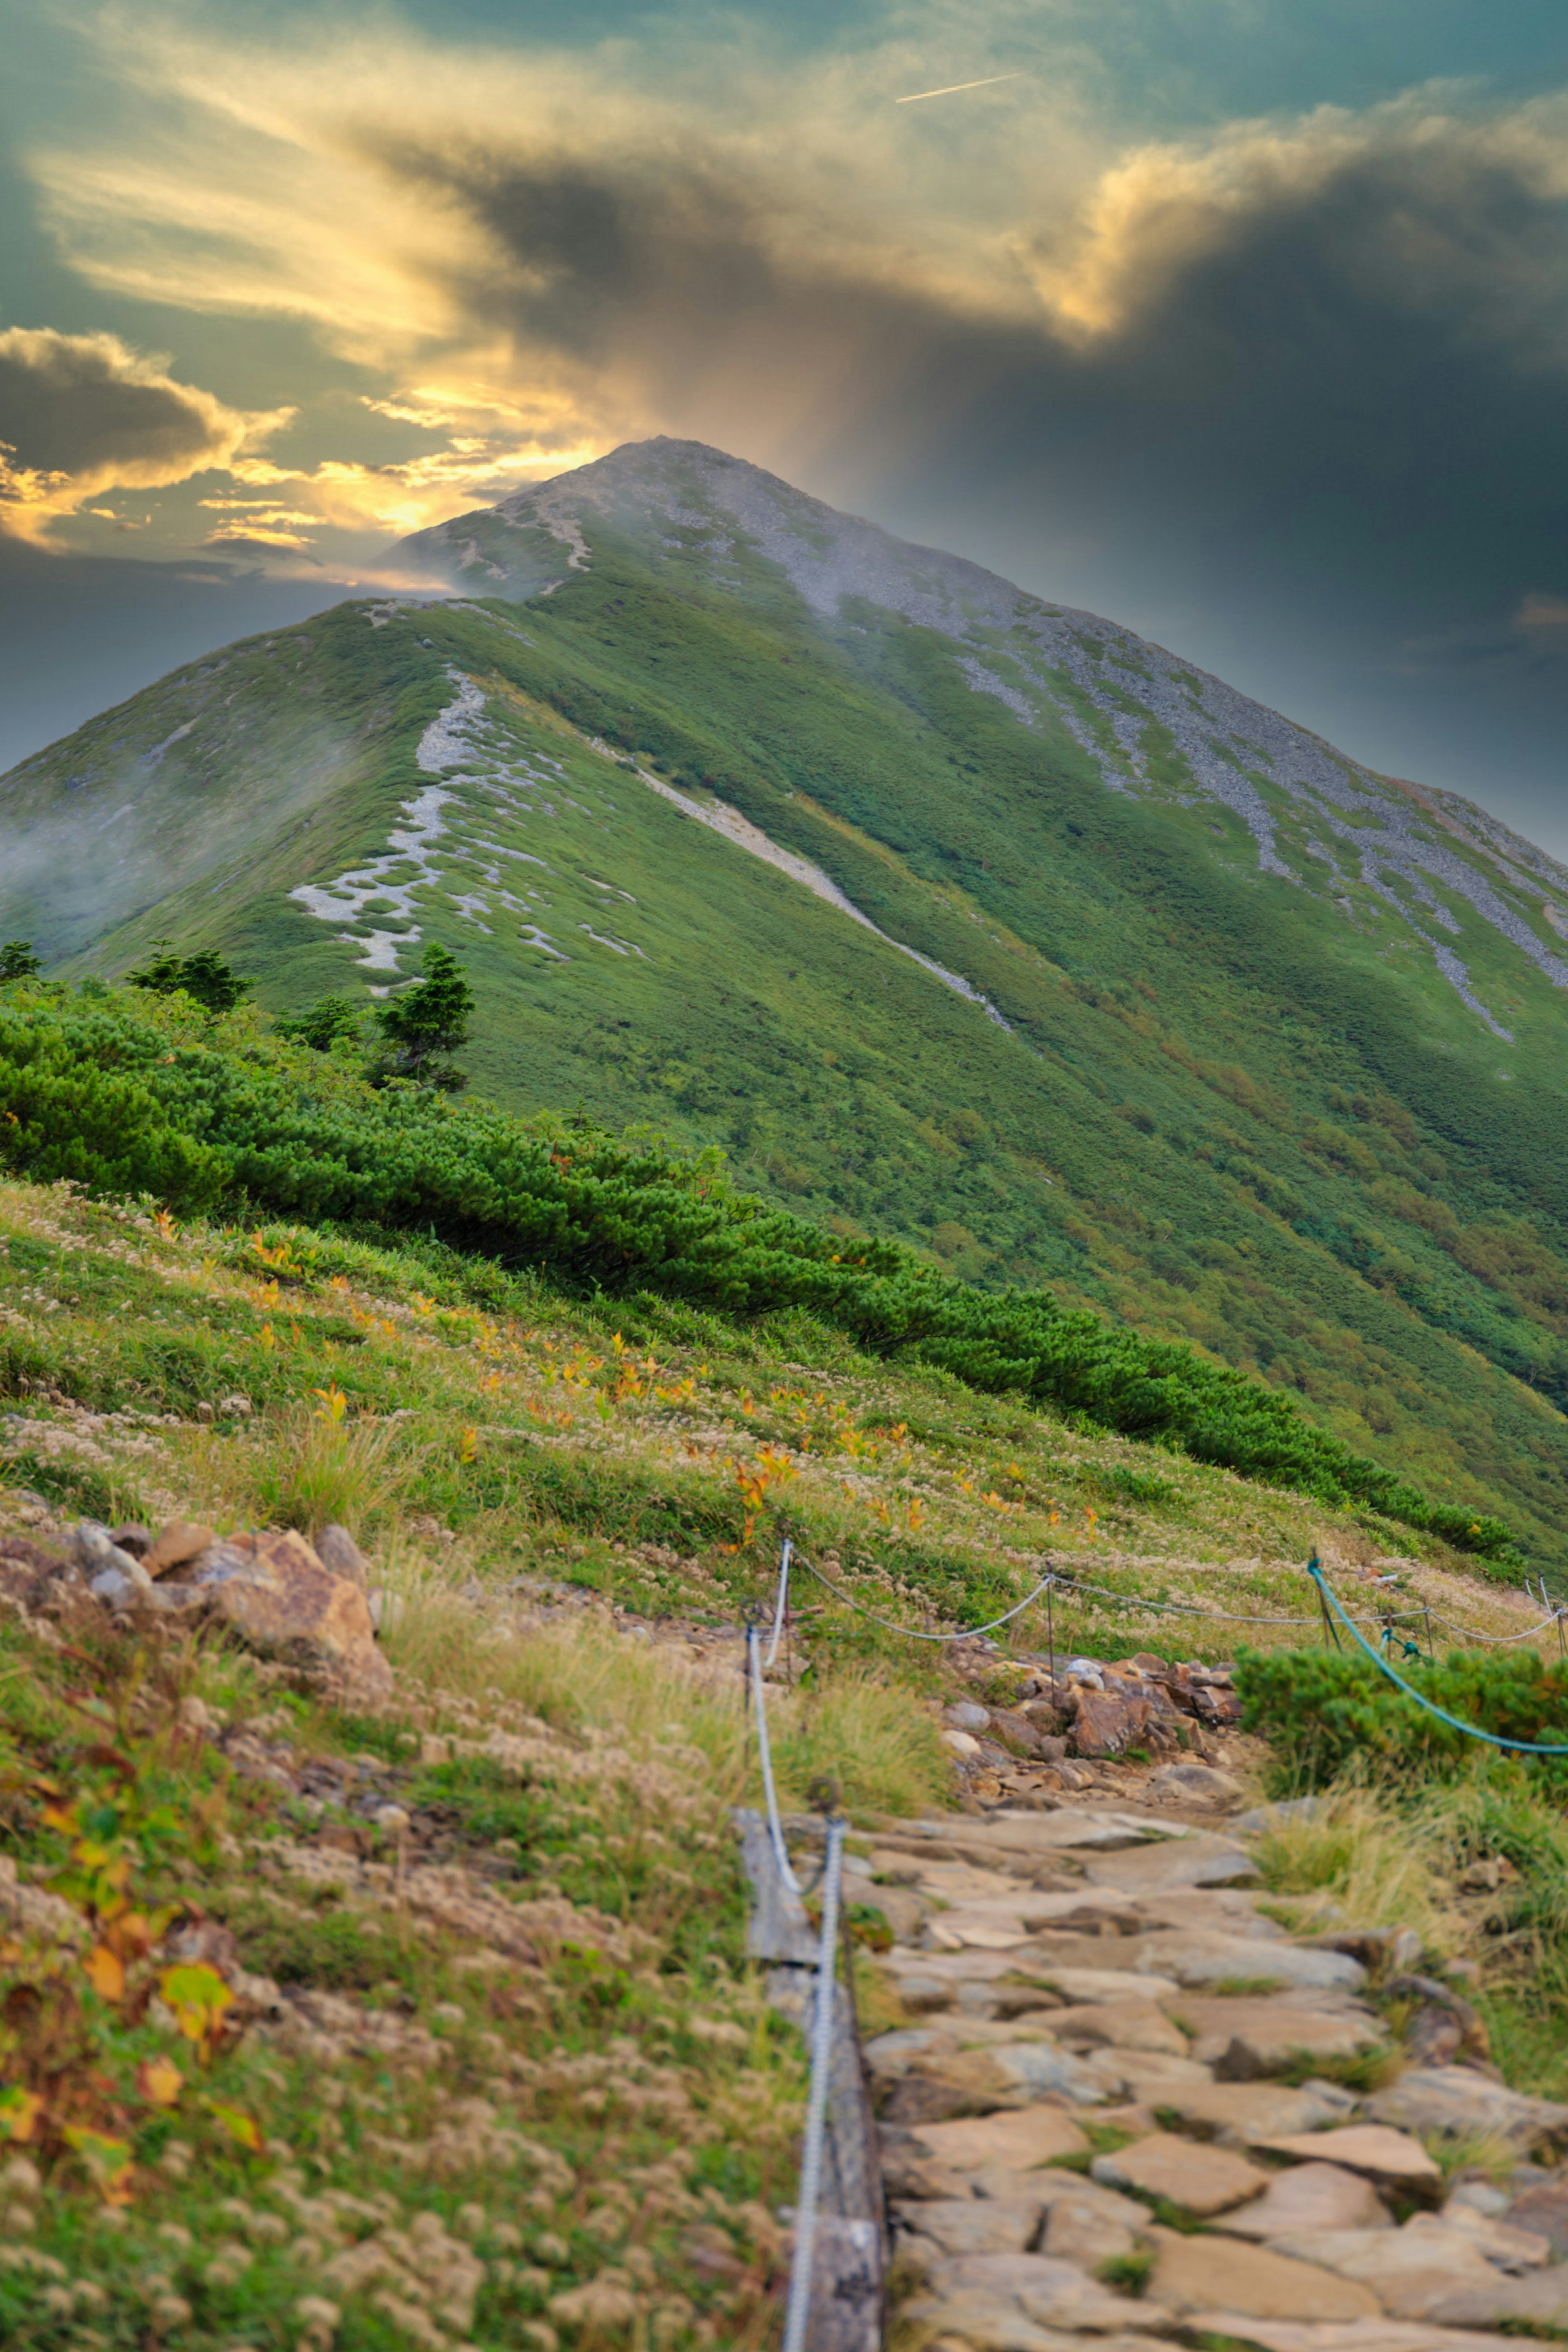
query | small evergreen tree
[321, 1027]
[203, 976]
[426, 1022]
[17, 961]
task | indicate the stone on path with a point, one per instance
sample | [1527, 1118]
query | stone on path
[1132, 2024]
[1030, 2287]
[1245, 2036]
[1412, 2270]
[1506, 2244]
[1391, 2158]
[1013, 2140]
[1194, 2174]
[972, 2225]
[1197, 1784]
[1210, 1960]
[1197, 1861]
[1540, 2299]
[1543, 2209]
[1245, 2114]
[1087, 1985]
[1090, 2225]
[1344, 2336]
[1311, 2197]
[1195, 2273]
[1457, 2103]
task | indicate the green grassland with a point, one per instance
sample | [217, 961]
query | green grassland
[1225, 1114]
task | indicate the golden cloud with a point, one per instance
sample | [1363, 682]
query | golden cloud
[80, 414]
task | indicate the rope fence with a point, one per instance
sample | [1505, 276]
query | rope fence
[1072, 1588]
[825, 2022]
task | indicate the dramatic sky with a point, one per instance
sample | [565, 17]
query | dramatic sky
[1245, 322]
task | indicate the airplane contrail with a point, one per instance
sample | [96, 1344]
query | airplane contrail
[954, 87]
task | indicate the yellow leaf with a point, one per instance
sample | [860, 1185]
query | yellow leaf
[160, 2081]
[239, 2126]
[198, 1997]
[19, 2113]
[106, 2160]
[106, 1973]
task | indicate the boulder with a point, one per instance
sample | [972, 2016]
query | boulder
[1311, 2197]
[1457, 2103]
[1194, 2174]
[1391, 2158]
[283, 1601]
[1197, 1784]
[1193, 2274]
[1107, 1723]
[181, 1540]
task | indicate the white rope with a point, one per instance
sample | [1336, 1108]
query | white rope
[912, 1632]
[781, 1604]
[798, 2312]
[770, 1794]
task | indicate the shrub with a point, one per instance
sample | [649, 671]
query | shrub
[137, 1096]
[1325, 1713]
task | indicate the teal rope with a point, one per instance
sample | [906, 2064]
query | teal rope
[1470, 1730]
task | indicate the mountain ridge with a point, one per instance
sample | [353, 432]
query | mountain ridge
[643, 793]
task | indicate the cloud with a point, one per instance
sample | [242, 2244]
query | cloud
[80, 414]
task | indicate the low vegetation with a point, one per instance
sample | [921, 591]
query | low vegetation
[126, 1095]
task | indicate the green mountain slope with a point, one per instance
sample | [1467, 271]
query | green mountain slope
[1166, 1004]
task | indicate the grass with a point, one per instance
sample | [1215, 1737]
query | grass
[516, 1477]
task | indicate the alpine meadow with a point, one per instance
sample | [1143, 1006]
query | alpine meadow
[952, 919]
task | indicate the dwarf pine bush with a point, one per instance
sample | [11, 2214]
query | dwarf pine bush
[129, 1093]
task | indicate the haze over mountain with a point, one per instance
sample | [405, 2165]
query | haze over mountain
[950, 912]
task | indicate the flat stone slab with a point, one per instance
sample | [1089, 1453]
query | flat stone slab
[1457, 2102]
[1311, 2197]
[1012, 2141]
[1541, 2298]
[1211, 1959]
[1344, 2336]
[1132, 2024]
[1197, 1861]
[1544, 2210]
[1083, 1985]
[1051, 2294]
[1078, 2228]
[1194, 2174]
[1246, 2036]
[1246, 2115]
[1411, 2270]
[972, 2225]
[1192, 2273]
[1070, 1828]
[1390, 2157]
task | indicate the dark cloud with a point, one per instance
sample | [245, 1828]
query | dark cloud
[80, 414]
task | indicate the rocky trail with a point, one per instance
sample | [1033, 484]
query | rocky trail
[1125, 2107]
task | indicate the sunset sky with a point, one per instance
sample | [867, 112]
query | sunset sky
[1243, 322]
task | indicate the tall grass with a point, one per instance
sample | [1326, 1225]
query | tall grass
[306, 1472]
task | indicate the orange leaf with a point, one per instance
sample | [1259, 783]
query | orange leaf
[106, 1973]
[160, 2081]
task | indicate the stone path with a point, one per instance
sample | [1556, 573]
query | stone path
[1104, 2121]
